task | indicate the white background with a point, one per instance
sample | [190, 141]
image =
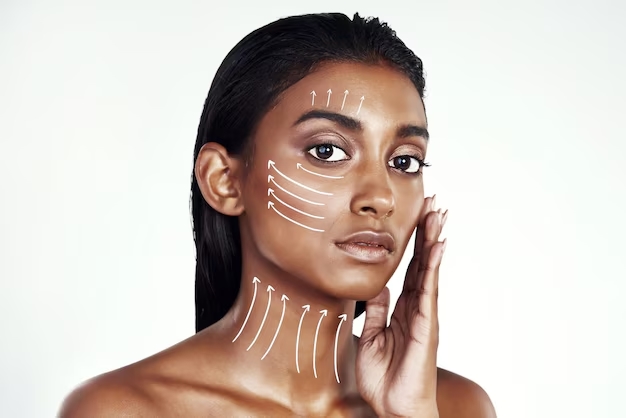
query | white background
[99, 106]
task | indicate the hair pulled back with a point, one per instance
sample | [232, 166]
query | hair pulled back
[248, 82]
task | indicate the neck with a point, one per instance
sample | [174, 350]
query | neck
[293, 337]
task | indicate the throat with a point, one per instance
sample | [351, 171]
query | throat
[301, 345]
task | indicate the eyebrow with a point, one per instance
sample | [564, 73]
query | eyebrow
[352, 124]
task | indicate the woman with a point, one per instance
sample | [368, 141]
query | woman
[307, 186]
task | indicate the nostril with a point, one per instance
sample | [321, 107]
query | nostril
[374, 202]
[366, 209]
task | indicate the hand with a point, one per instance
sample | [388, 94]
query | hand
[396, 365]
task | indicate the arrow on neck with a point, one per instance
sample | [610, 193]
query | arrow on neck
[282, 315]
[343, 318]
[269, 301]
[324, 312]
[255, 281]
[306, 309]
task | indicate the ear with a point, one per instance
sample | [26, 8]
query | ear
[219, 179]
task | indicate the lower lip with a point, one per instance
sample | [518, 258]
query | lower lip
[365, 253]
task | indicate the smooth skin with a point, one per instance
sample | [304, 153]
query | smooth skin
[391, 370]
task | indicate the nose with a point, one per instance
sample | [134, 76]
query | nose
[374, 196]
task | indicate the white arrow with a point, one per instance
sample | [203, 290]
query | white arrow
[306, 309]
[362, 98]
[269, 301]
[271, 192]
[312, 97]
[343, 317]
[271, 178]
[282, 315]
[255, 281]
[345, 93]
[270, 204]
[272, 164]
[299, 166]
[324, 312]
[329, 93]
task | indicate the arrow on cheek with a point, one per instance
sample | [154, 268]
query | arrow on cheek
[270, 204]
[300, 167]
[271, 192]
[270, 178]
[272, 164]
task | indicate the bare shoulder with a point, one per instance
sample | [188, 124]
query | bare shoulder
[130, 391]
[107, 395]
[460, 397]
[178, 381]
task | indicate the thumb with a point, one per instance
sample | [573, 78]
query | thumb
[376, 312]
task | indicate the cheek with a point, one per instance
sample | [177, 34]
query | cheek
[289, 212]
[409, 206]
[300, 200]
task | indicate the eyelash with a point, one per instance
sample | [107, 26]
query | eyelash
[420, 161]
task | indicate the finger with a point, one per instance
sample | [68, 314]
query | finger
[444, 218]
[429, 205]
[424, 328]
[429, 291]
[411, 273]
[376, 312]
[432, 229]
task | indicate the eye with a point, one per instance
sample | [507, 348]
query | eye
[406, 163]
[328, 153]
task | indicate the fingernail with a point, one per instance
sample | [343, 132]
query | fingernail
[443, 248]
[445, 218]
[433, 203]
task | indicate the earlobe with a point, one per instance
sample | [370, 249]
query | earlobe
[218, 175]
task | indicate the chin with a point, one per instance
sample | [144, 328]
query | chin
[356, 283]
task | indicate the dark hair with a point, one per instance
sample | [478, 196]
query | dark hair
[248, 82]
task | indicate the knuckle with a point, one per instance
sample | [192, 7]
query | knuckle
[425, 291]
[425, 267]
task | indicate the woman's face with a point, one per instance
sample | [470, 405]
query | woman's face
[335, 189]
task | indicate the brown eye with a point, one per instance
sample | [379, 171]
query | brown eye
[405, 163]
[328, 152]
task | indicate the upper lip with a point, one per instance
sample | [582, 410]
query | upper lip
[384, 239]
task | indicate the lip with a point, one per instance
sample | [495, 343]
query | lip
[368, 246]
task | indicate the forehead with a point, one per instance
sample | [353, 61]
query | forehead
[371, 93]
